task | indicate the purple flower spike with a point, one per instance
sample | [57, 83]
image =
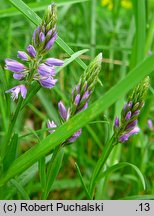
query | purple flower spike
[128, 115]
[14, 66]
[51, 42]
[150, 124]
[74, 137]
[45, 70]
[77, 99]
[18, 76]
[31, 50]
[51, 125]
[16, 90]
[54, 61]
[62, 110]
[116, 123]
[41, 37]
[23, 56]
[131, 125]
[47, 82]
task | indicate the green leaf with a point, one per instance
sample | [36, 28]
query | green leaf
[82, 182]
[80, 120]
[120, 166]
[140, 37]
[71, 59]
[53, 170]
[36, 6]
[21, 190]
[11, 152]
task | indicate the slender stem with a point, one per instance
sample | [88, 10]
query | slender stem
[10, 130]
[50, 173]
[100, 163]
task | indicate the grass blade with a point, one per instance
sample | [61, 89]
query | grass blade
[124, 164]
[82, 181]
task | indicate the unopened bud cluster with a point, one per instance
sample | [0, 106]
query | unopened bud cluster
[127, 126]
[80, 96]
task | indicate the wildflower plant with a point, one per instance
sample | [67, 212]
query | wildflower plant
[80, 96]
[129, 115]
[34, 65]
[57, 141]
[123, 128]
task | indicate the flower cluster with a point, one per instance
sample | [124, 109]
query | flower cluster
[129, 116]
[80, 96]
[34, 66]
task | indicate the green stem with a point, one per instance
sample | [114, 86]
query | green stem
[10, 130]
[100, 163]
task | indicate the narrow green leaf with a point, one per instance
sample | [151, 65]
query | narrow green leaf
[53, 170]
[11, 152]
[81, 119]
[122, 165]
[140, 37]
[36, 6]
[82, 181]
[20, 189]
[71, 59]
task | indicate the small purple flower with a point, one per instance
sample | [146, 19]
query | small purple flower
[23, 56]
[84, 107]
[14, 66]
[31, 50]
[36, 32]
[136, 130]
[18, 76]
[51, 42]
[74, 137]
[51, 125]
[135, 113]
[54, 62]
[47, 82]
[131, 125]
[150, 124]
[85, 95]
[128, 115]
[45, 70]
[77, 99]
[116, 123]
[62, 110]
[123, 138]
[76, 90]
[16, 90]
[128, 105]
[41, 36]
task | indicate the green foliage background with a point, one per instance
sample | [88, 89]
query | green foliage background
[125, 37]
